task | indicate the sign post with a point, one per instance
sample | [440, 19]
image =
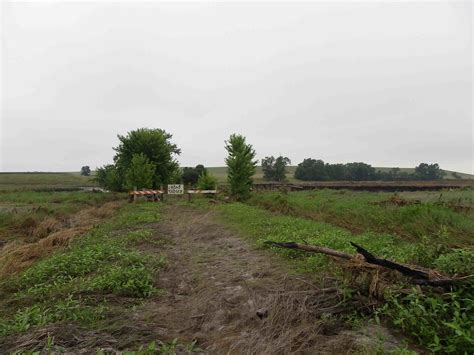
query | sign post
[175, 189]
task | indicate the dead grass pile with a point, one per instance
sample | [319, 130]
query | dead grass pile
[17, 257]
[46, 227]
[52, 234]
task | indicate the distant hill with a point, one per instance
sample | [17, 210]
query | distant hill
[220, 173]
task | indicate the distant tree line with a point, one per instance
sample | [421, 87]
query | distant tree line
[317, 170]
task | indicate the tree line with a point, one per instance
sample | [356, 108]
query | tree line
[146, 158]
[317, 170]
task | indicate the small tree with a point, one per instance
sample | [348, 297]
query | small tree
[240, 166]
[140, 173]
[85, 170]
[206, 181]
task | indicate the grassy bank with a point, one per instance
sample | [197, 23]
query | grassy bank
[78, 284]
[413, 216]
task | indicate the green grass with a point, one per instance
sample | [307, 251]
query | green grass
[103, 262]
[44, 181]
[361, 212]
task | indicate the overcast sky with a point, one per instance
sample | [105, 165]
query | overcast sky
[389, 84]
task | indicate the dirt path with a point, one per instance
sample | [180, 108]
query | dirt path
[232, 298]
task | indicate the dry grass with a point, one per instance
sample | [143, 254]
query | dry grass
[52, 234]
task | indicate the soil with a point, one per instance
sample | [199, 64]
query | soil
[230, 298]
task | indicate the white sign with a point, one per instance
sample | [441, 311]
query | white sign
[175, 189]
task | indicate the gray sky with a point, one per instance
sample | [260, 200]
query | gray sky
[386, 83]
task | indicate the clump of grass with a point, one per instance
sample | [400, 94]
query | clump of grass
[68, 309]
[444, 324]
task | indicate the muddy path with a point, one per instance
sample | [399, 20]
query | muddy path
[231, 298]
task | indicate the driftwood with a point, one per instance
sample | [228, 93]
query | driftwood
[418, 275]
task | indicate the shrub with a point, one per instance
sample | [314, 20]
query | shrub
[206, 181]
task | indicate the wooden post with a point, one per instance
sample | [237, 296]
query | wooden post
[189, 197]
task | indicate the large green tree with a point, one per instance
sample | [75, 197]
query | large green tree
[240, 166]
[156, 146]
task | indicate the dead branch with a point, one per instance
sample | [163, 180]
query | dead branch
[311, 248]
[417, 275]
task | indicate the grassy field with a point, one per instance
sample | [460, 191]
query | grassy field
[44, 181]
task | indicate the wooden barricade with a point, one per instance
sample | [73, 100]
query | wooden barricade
[154, 195]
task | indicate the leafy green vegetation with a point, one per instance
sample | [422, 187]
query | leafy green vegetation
[144, 156]
[363, 212]
[102, 262]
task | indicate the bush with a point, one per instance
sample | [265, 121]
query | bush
[206, 182]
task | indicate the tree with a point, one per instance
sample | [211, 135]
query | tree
[275, 169]
[240, 166]
[311, 170]
[191, 175]
[156, 145]
[360, 171]
[268, 168]
[85, 170]
[426, 171]
[140, 173]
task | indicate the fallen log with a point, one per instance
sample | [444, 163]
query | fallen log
[418, 275]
